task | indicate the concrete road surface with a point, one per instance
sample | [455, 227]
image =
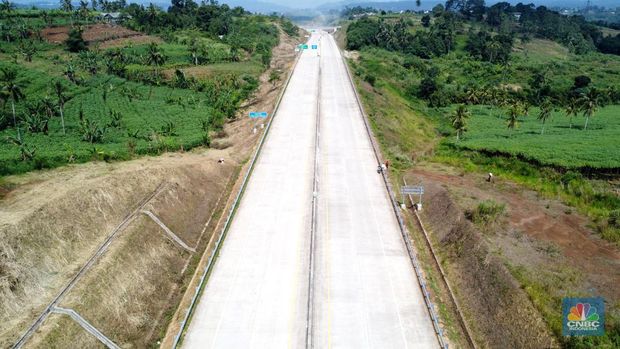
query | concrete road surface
[256, 296]
[365, 294]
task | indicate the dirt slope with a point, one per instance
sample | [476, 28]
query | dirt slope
[51, 222]
[520, 268]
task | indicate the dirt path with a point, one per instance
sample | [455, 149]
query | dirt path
[540, 233]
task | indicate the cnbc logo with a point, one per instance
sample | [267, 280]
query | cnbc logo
[583, 317]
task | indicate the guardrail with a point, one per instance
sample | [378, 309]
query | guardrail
[231, 213]
[457, 308]
[396, 208]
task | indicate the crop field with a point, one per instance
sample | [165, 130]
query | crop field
[153, 119]
[560, 145]
[127, 117]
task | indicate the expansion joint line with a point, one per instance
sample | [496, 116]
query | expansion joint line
[313, 225]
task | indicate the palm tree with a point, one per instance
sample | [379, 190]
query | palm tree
[155, 57]
[513, 115]
[66, 5]
[471, 96]
[70, 73]
[28, 50]
[589, 104]
[60, 89]
[46, 19]
[545, 113]
[83, 10]
[572, 109]
[48, 106]
[13, 91]
[493, 48]
[6, 6]
[193, 50]
[459, 120]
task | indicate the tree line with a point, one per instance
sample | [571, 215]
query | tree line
[497, 27]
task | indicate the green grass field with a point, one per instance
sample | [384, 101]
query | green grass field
[147, 114]
[562, 146]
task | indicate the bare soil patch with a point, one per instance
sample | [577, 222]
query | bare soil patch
[107, 35]
[546, 222]
[539, 245]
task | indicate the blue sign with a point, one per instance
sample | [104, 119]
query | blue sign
[315, 47]
[255, 115]
[583, 316]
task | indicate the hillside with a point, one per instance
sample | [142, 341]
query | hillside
[149, 86]
[453, 97]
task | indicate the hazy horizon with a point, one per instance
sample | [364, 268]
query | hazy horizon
[311, 4]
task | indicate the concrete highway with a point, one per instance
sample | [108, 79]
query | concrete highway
[364, 292]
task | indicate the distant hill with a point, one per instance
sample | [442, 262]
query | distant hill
[428, 4]
[249, 5]
[256, 6]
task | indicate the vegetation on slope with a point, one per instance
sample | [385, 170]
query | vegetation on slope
[535, 111]
[90, 100]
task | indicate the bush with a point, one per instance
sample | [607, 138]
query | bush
[371, 79]
[614, 219]
[75, 42]
[487, 212]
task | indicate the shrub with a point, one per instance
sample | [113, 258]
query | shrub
[487, 212]
[614, 219]
[92, 132]
[75, 42]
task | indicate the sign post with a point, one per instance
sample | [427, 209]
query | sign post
[256, 115]
[413, 190]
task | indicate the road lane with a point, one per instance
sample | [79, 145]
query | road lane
[256, 296]
[366, 294]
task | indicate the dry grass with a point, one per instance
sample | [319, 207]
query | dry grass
[52, 221]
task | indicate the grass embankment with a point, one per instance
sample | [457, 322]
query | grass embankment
[409, 131]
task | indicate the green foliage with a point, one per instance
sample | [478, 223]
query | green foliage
[75, 42]
[116, 119]
[486, 213]
[560, 146]
[289, 28]
[491, 48]
[91, 131]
